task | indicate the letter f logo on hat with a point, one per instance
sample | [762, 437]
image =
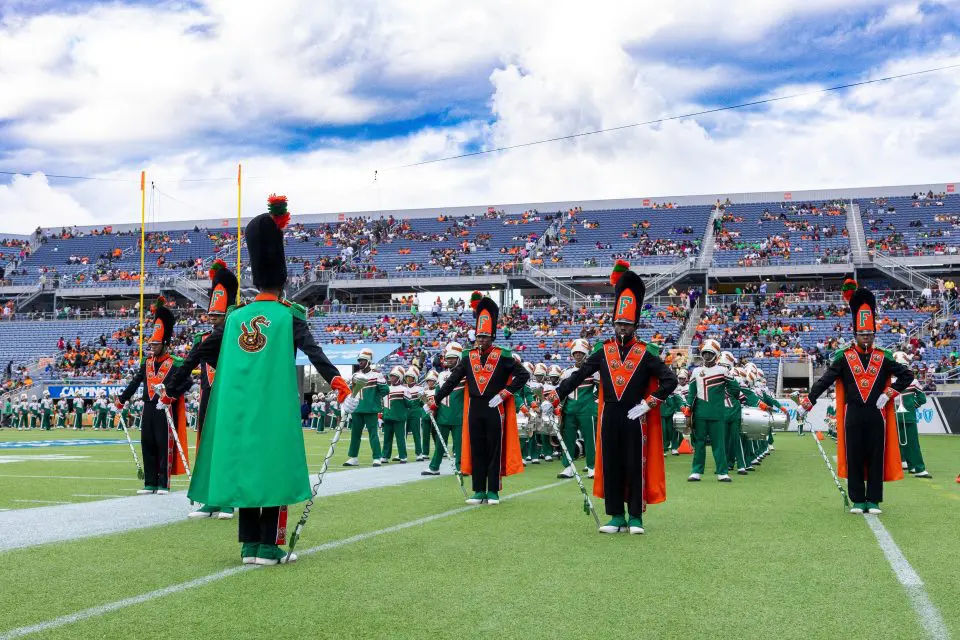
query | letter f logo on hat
[626, 309]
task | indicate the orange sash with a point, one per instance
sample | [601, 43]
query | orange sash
[865, 378]
[174, 464]
[622, 372]
[155, 378]
[483, 373]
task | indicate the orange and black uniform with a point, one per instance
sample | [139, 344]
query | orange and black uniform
[621, 439]
[487, 425]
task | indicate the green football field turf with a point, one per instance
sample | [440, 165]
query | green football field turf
[770, 555]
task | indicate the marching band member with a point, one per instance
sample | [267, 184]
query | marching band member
[449, 411]
[580, 412]
[634, 382]
[673, 404]
[395, 417]
[907, 404]
[491, 446]
[366, 415]
[253, 456]
[46, 410]
[415, 416]
[223, 297]
[160, 457]
[707, 394]
[867, 447]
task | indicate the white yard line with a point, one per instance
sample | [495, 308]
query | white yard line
[98, 495]
[95, 612]
[43, 501]
[131, 478]
[927, 612]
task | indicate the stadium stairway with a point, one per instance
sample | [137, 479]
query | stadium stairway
[858, 244]
[707, 247]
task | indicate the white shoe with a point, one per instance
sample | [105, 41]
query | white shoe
[535, 461]
[474, 500]
[589, 472]
[922, 474]
[674, 452]
[162, 492]
[723, 477]
[196, 515]
[493, 501]
[693, 477]
[224, 515]
[856, 509]
[376, 463]
[548, 458]
[145, 492]
[421, 458]
[351, 462]
[269, 562]
[770, 448]
[636, 530]
[903, 465]
[611, 529]
[524, 462]
[874, 510]
[567, 472]
[250, 560]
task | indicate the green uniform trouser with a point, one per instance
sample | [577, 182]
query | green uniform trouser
[414, 427]
[45, 422]
[546, 449]
[532, 447]
[357, 423]
[445, 431]
[910, 452]
[101, 421]
[717, 432]
[671, 437]
[770, 437]
[736, 456]
[394, 429]
[585, 423]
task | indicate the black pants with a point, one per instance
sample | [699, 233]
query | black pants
[865, 430]
[266, 525]
[154, 442]
[486, 444]
[202, 412]
[623, 462]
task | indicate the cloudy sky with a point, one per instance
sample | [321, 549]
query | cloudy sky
[313, 97]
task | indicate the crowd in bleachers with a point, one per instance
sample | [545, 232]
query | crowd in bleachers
[921, 225]
[750, 235]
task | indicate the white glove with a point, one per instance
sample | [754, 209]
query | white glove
[159, 389]
[801, 412]
[495, 401]
[882, 401]
[638, 410]
[546, 408]
[350, 404]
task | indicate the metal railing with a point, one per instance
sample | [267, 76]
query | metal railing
[901, 272]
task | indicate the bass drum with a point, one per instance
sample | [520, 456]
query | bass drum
[779, 421]
[754, 423]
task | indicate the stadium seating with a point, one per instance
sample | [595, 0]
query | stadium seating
[759, 234]
[935, 228]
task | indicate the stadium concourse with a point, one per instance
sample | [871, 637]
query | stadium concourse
[759, 275]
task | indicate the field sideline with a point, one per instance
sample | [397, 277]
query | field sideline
[769, 555]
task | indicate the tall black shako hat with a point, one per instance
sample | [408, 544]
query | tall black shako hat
[863, 306]
[629, 291]
[163, 322]
[265, 244]
[223, 288]
[487, 314]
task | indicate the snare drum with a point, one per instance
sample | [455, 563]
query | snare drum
[754, 423]
[681, 423]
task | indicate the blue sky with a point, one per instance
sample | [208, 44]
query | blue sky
[187, 89]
